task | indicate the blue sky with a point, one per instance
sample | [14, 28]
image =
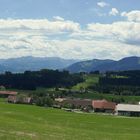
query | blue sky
[79, 29]
[82, 11]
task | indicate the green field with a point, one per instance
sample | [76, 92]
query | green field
[90, 80]
[24, 122]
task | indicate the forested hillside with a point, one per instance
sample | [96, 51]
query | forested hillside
[44, 78]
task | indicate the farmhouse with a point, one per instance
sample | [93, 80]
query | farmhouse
[19, 99]
[77, 103]
[103, 106]
[128, 110]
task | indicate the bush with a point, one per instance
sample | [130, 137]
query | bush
[44, 101]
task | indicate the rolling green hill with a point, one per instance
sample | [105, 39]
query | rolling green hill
[90, 79]
[23, 122]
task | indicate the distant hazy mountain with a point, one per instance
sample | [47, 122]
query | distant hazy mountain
[87, 66]
[129, 63]
[36, 63]
[33, 63]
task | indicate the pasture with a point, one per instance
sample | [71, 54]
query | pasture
[28, 122]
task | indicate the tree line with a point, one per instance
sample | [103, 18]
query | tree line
[30, 80]
[119, 83]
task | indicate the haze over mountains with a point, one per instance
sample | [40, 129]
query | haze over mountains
[36, 63]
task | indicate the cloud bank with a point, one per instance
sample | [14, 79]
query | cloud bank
[68, 39]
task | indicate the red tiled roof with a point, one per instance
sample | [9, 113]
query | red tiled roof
[8, 92]
[103, 104]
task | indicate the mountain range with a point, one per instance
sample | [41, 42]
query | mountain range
[74, 66]
[33, 63]
[128, 63]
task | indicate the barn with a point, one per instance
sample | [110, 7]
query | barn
[128, 110]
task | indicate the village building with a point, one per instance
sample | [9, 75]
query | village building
[128, 110]
[103, 106]
[27, 100]
[5, 93]
[76, 103]
[12, 99]
[19, 99]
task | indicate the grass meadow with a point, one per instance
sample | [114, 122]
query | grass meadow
[28, 122]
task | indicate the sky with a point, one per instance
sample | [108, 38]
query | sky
[70, 29]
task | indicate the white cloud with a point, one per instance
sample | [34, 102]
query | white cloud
[31, 37]
[102, 4]
[125, 31]
[67, 39]
[39, 24]
[58, 18]
[132, 16]
[114, 12]
[89, 49]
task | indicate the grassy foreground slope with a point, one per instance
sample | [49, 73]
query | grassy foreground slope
[23, 122]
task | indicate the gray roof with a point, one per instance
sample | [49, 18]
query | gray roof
[128, 107]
